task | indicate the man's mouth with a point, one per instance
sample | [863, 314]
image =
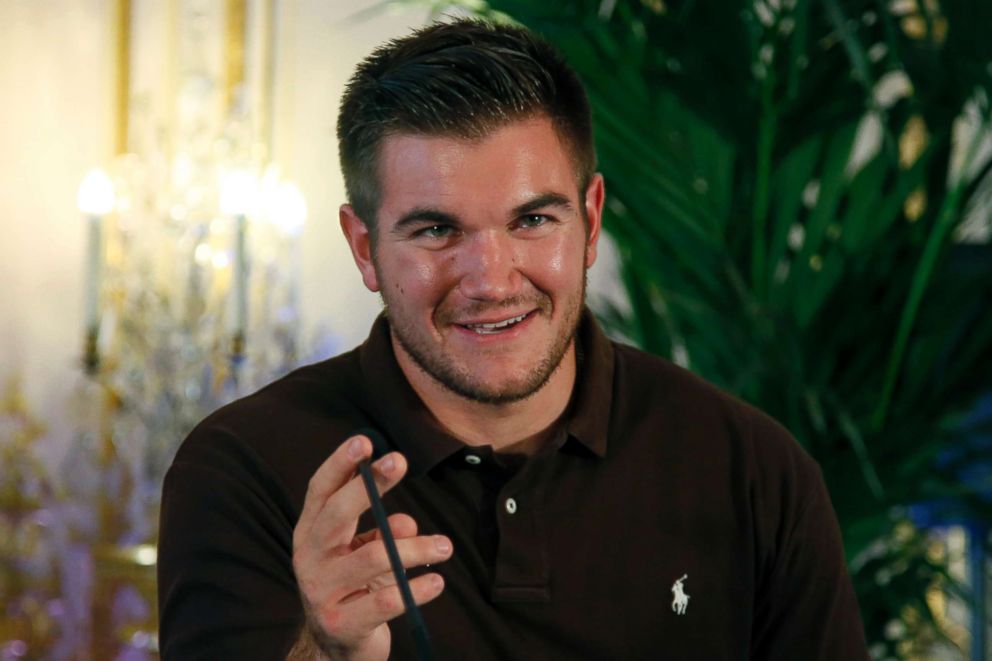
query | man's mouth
[496, 326]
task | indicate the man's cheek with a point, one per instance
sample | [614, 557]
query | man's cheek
[425, 275]
[415, 279]
[556, 265]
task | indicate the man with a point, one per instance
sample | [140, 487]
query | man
[555, 495]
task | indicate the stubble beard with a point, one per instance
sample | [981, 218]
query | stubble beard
[460, 380]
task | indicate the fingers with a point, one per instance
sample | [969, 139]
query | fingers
[369, 565]
[369, 611]
[346, 581]
[387, 603]
[401, 525]
[336, 470]
[334, 523]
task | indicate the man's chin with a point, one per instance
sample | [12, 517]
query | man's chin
[518, 389]
[491, 389]
[496, 393]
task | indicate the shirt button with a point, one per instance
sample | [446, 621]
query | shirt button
[473, 459]
[511, 505]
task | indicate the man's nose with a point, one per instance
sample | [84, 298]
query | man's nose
[489, 266]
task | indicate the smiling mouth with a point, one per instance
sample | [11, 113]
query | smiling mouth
[495, 327]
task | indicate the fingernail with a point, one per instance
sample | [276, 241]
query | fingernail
[355, 448]
[387, 464]
[442, 543]
[437, 581]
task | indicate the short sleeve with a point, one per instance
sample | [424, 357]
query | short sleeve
[226, 587]
[806, 607]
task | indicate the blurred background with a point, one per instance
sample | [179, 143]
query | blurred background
[798, 209]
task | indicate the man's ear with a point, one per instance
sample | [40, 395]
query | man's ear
[356, 232]
[595, 194]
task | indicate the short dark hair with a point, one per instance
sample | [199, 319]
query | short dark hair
[462, 79]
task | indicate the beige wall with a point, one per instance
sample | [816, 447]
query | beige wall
[55, 84]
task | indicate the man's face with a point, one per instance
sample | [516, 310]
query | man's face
[481, 253]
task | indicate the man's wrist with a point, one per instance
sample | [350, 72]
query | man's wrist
[306, 648]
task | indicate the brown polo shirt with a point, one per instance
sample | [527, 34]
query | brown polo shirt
[666, 520]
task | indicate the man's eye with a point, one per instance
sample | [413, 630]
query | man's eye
[435, 231]
[534, 220]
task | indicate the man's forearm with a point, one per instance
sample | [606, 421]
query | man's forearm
[306, 648]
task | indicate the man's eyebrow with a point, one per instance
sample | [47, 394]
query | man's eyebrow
[421, 215]
[543, 201]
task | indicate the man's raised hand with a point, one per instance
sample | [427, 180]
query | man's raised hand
[345, 580]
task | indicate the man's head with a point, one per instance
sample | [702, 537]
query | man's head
[459, 80]
[477, 172]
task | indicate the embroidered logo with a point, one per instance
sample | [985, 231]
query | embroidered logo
[681, 600]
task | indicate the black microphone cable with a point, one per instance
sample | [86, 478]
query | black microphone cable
[420, 636]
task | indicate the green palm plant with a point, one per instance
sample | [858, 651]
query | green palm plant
[786, 180]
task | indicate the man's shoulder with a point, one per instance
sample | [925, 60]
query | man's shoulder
[317, 388]
[711, 418]
[300, 417]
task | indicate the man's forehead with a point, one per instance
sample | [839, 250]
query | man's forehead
[537, 131]
[521, 158]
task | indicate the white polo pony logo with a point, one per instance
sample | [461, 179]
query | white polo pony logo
[681, 600]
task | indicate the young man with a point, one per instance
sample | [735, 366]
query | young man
[555, 495]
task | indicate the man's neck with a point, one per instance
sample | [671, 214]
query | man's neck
[516, 427]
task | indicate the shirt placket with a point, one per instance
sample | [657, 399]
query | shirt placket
[522, 570]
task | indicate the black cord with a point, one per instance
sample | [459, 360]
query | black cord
[420, 636]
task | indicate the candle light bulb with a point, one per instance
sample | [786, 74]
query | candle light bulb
[203, 254]
[239, 193]
[269, 187]
[220, 260]
[290, 209]
[96, 194]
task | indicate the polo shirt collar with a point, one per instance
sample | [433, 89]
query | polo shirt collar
[588, 416]
[412, 429]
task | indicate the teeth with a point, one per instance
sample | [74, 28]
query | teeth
[489, 328]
